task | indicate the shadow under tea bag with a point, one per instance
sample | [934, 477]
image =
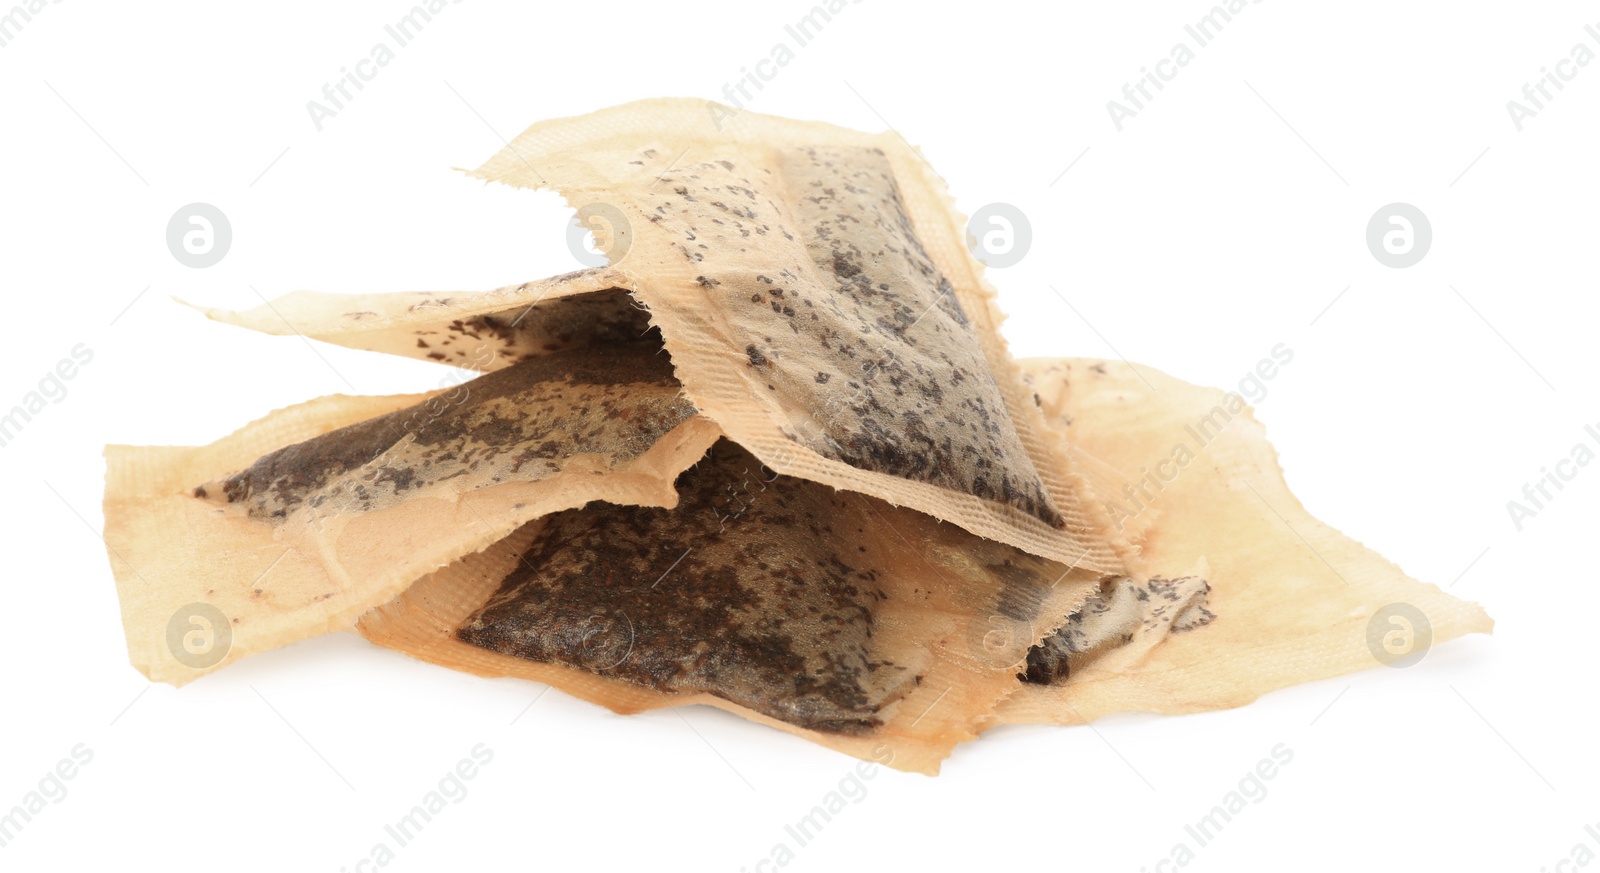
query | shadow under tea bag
[1278, 597]
[867, 628]
[298, 523]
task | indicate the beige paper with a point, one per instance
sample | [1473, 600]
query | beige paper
[350, 499]
[814, 289]
[484, 330]
[867, 628]
[1118, 625]
[1293, 598]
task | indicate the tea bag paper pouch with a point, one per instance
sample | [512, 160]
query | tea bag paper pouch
[871, 629]
[1293, 599]
[814, 290]
[296, 524]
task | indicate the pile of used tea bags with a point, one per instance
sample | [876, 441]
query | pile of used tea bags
[774, 457]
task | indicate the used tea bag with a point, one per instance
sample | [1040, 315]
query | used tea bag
[473, 330]
[814, 289]
[894, 541]
[520, 425]
[298, 523]
[868, 628]
[1293, 600]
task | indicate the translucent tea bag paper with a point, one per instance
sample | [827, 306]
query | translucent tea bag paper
[774, 457]
[299, 522]
[1289, 598]
[870, 629]
[484, 330]
[814, 289]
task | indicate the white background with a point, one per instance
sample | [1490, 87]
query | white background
[1193, 240]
